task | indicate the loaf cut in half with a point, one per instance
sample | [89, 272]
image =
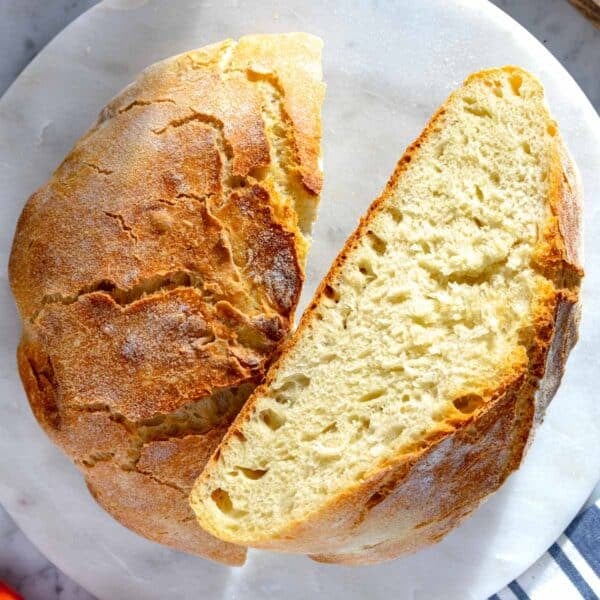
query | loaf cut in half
[411, 387]
[159, 268]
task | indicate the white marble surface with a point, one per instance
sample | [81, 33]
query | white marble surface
[26, 25]
[28, 571]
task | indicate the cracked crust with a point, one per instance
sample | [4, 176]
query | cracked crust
[416, 498]
[179, 234]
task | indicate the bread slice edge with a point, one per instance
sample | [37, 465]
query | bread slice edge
[507, 421]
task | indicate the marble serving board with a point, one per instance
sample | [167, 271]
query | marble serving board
[388, 65]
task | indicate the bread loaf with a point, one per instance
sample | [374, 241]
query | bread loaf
[413, 383]
[159, 268]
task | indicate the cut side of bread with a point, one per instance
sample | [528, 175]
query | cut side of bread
[158, 270]
[411, 387]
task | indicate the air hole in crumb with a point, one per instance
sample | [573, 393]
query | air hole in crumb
[397, 296]
[396, 431]
[331, 428]
[405, 398]
[495, 177]
[331, 293]
[273, 420]
[469, 100]
[253, 474]
[526, 147]
[223, 501]
[377, 243]
[239, 435]
[515, 83]
[425, 246]
[478, 111]
[468, 403]
[293, 381]
[479, 193]
[498, 92]
[300, 380]
[366, 268]
[478, 222]
[372, 395]
[552, 130]
[361, 424]
[395, 214]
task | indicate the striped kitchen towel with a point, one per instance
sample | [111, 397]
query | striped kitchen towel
[570, 569]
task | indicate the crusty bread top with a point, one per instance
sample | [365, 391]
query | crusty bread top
[407, 393]
[159, 268]
[174, 231]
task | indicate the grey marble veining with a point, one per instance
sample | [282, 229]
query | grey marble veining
[27, 25]
[567, 34]
[28, 571]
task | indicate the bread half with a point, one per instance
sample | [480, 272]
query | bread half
[413, 383]
[158, 270]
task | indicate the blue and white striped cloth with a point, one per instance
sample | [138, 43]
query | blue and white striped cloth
[570, 569]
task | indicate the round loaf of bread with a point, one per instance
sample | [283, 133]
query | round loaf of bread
[159, 268]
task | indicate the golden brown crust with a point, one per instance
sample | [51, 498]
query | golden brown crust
[455, 469]
[160, 267]
[295, 64]
[420, 497]
[569, 199]
[142, 360]
[179, 461]
[156, 510]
